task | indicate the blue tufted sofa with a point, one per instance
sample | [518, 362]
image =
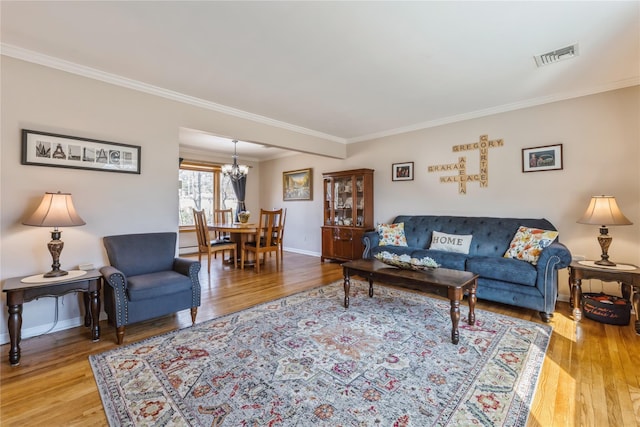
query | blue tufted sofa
[503, 280]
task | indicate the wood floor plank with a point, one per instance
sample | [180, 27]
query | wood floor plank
[590, 377]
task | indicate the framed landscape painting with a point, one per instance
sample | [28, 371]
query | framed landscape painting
[545, 158]
[297, 185]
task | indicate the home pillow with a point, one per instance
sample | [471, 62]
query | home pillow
[528, 243]
[391, 234]
[451, 242]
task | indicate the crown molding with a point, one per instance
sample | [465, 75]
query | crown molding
[92, 73]
[621, 84]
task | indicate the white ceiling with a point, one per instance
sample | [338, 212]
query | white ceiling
[346, 71]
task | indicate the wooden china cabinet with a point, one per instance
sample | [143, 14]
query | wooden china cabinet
[348, 213]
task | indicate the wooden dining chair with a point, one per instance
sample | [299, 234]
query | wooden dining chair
[279, 234]
[263, 241]
[209, 246]
[222, 216]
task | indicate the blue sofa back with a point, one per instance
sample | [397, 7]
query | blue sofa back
[491, 236]
[136, 254]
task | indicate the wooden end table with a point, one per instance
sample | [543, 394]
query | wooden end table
[453, 283]
[629, 280]
[18, 293]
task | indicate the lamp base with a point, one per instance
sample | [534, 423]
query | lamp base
[55, 273]
[605, 241]
[605, 262]
[55, 248]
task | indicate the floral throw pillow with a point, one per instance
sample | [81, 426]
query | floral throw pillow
[528, 243]
[391, 234]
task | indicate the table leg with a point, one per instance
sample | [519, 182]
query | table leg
[370, 288]
[576, 293]
[95, 315]
[455, 319]
[87, 309]
[570, 287]
[636, 307]
[472, 302]
[347, 287]
[15, 327]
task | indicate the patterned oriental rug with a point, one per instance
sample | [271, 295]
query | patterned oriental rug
[306, 360]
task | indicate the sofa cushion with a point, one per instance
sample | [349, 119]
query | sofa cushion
[528, 243]
[157, 284]
[504, 269]
[392, 234]
[450, 242]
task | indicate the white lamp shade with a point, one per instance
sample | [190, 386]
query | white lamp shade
[604, 210]
[55, 210]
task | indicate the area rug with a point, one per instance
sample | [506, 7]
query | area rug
[306, 360]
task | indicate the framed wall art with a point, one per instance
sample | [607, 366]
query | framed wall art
[402, 171]
[297, 185]
[545, 158]
[50, 149]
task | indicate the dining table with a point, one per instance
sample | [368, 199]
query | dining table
[239, 233]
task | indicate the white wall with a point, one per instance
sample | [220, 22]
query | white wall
[600, 135]
[40, 98]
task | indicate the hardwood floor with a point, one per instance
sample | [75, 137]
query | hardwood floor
[590, 377]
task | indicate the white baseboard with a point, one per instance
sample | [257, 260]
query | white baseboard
[41, 329]
[302, 251]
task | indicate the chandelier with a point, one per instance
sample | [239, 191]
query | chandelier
[235, 171]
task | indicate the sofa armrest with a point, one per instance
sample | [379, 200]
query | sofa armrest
[370, 240]
[552, 258]
[557, 254]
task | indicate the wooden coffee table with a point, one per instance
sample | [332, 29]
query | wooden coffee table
[442, 281]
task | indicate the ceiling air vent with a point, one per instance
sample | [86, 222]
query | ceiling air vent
[557, 55]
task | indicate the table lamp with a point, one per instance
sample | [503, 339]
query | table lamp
[55, 210]
[603, 211]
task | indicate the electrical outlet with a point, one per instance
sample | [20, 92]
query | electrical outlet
[578, 257]
[85, 267]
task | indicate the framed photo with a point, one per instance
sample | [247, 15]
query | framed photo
[297, 185]
[545, 158]
[402, 171]
[50, 149]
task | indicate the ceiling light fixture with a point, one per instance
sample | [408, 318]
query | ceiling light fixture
[235, 171]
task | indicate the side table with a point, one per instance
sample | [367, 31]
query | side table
[19, 292]
[629, 280]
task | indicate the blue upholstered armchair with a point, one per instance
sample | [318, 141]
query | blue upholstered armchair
[146, 280]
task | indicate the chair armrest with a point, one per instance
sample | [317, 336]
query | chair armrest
[186, 267]
[370, 239]
[114, 278]
[190, 268]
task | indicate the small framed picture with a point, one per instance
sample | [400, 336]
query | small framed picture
[545, 158]
[402, 171]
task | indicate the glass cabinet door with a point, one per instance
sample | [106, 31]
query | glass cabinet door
[359, 200]
[344, 201]
[328, 202]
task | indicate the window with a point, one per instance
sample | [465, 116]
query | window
[203, 187]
